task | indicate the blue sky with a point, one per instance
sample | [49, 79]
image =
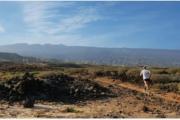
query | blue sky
[100, 24]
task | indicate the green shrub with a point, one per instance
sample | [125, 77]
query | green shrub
[71, 110]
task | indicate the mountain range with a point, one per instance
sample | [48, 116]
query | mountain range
[97, 55]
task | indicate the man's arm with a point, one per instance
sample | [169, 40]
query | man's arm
[150, 74]
[141, 73]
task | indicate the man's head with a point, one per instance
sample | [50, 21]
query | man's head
[144, 67]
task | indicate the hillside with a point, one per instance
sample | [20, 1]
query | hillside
[10, 57]
[13, 57]
[95, 55]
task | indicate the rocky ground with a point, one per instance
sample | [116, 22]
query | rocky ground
[98, 98]
[53, 87]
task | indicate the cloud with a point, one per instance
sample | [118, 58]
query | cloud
[2, 29]
[78, 21]
[52, 17]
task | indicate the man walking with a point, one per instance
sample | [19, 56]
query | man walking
[146, 74]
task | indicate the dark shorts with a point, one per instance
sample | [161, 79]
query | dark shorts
[148, 80]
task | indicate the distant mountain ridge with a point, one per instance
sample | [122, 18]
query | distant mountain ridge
[96, 55]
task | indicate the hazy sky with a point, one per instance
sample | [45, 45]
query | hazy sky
[104, 24]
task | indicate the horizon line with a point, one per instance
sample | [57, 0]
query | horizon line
[89, 46]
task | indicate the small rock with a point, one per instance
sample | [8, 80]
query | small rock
[145, 109]
[28, 103]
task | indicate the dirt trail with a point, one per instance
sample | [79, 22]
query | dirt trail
[134, 99]
[167, 96]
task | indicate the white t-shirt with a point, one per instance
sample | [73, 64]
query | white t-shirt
[145, 73]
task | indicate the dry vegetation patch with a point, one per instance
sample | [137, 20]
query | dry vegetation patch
[52, 87]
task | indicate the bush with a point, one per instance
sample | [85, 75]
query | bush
[122, 70]
[159, 71]
[173, 71]
[45, 74]
[120, 75]
[133, 75]
[163, 79]
[172, 87]
[76, 71]
[71, 109]
[108, 73]
[29, 102]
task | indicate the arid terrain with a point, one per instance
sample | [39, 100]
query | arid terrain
[96, 92]
[89, 59]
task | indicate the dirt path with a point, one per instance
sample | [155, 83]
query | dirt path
[160, 104]
[167, 96]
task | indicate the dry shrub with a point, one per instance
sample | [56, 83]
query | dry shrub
[157, 78]
[122, 70]
[171, 87]
[48, 73]
[174, 71]
[52, 87]
[163, 79]
[71, 110]
[134, 76]
[119, 75]
[9, 75]
[107, 73]
[159, 71]
[76, 71]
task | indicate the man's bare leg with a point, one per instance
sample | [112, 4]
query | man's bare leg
[146, 87]
[149, 87]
